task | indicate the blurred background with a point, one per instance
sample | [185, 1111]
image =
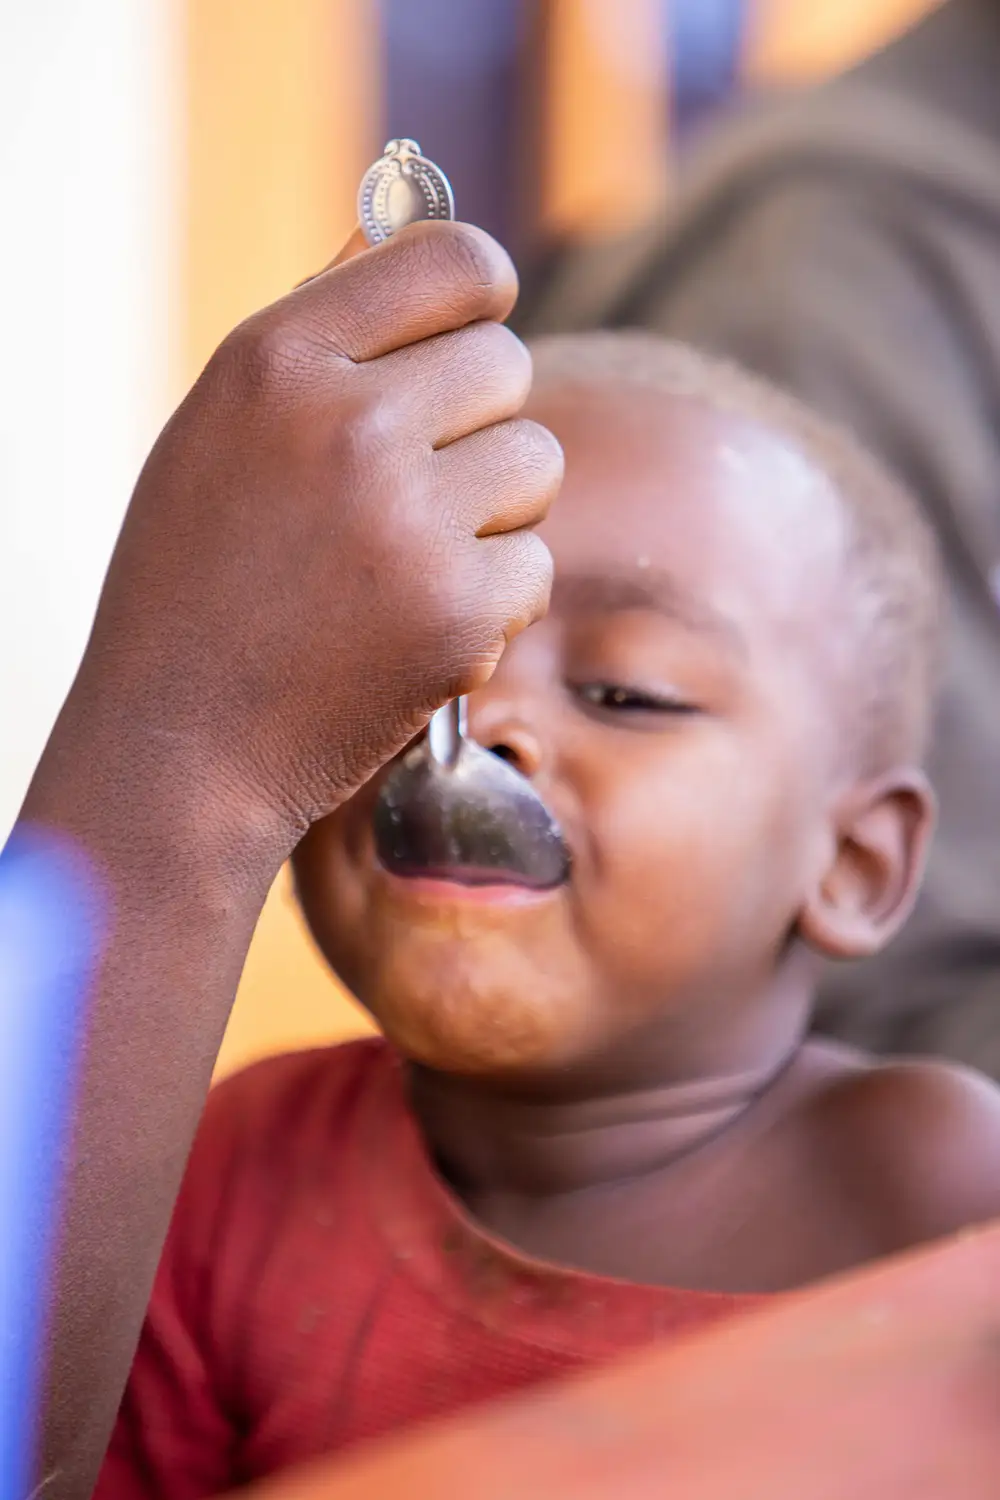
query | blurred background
[168, 166]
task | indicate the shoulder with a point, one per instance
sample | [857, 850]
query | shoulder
[796, 198]
[919, 1140]
[811, 243]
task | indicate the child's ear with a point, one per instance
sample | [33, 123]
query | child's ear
[881, 838]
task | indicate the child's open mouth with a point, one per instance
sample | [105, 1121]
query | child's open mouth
[457, 881]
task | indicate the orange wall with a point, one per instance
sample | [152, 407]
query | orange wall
[795, 40]
[602, 84]
[281, 98]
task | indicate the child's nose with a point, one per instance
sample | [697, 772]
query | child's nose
[505, 733]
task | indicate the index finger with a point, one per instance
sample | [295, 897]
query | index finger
[432, 277]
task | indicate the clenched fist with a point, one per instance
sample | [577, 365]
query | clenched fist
[332, 535]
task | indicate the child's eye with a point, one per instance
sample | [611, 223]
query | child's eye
[618, 698]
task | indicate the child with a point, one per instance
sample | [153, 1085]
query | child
[596, 1119]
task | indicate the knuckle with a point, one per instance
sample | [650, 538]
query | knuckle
[455, 605]
[463, 255]
[459, 628]
[520, 580]
[535, 570]
[267, 352]
[502, 355]
[541, 451]
[475, 605]
[531, 456]
[475, 258]
[368, 430]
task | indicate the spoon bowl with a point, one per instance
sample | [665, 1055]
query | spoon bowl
[471, 818]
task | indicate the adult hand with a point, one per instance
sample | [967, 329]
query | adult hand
[328, 540]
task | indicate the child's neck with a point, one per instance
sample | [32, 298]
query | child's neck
[489, 1142]
[620, 1126]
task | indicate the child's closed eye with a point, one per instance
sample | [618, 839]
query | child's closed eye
[621, 698]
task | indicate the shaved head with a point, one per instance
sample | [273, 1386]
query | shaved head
[892, 575]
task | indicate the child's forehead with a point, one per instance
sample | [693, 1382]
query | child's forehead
[729, 514]
[650, 463]
[635, 433]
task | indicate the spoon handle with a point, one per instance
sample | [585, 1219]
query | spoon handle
[445, 733]
[380, 214]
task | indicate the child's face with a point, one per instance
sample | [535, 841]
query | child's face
[676, 712]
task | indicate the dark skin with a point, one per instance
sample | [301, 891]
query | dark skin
[613, 1075]
[330, 538]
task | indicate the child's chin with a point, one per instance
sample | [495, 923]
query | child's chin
[476, 1027]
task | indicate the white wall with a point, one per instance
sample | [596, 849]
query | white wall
[89, 112]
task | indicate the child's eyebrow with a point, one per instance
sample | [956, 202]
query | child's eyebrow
[649, 589]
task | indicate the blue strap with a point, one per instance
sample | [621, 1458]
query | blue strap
[706, 45]
[48, 938]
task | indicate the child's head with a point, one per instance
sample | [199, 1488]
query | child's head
[726, 708]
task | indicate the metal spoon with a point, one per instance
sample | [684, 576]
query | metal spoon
[448, 807]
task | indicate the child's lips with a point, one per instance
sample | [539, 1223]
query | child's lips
[463, 888]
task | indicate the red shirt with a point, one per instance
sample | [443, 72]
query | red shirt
[320, 1285]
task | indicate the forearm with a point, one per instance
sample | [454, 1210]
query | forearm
[181, 872]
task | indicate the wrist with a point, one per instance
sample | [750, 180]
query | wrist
[140, 801]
